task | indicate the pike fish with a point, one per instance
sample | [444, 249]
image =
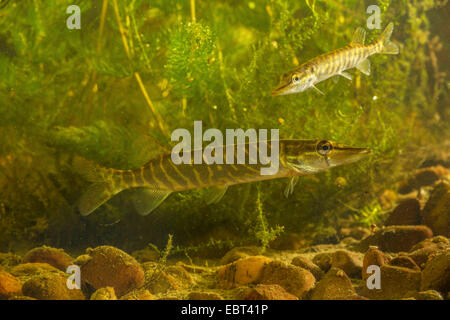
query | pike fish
[335, 63]
[156, 180]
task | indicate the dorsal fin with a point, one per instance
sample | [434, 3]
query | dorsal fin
[359, 36]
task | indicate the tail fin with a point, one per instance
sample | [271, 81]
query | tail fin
[387, 46]
[101, 189]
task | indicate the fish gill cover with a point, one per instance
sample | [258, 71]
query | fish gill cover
[113, 91]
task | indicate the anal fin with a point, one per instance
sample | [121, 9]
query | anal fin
[346, 75]
[364, 67]
[146, 200]
[215, 194]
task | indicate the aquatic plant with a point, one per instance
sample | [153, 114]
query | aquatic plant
[113, 92]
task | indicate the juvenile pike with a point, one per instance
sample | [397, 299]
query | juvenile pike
[336, 62]
[158, 178]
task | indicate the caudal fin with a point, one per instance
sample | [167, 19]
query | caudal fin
[101, 189]
[387, 46]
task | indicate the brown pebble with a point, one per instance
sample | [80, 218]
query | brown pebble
[50, 286]
[241, 272]
[375, 257]
[269, 292]
[198, 295]
[54, 257]
[405, 262]
[111, 267]
[305, 263]
[293, 279]
[406, 213]
[347, 261]
[106, 293]
[335, 285]
[436, 274]
[10, 286]
[436, 213]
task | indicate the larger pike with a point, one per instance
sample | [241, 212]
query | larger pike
[154, 181]
[336, 62]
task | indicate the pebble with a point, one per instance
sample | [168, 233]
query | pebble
[396, 238]
[138, 294]
[111, 267]
[293, 279]
[406, 213]
[405, 262]
[269, 292]
[106, 293]
[10, 286]
[198, 295]
[436, 274]
[335, 285]
[288, 241]
[241, 272]
[423, 177]
[375, 257]
[50, 286]
[323, 261]
[396, 283]
[348, 261]
[305, 263]
[436, 213]
[239, 253]
[54, 257]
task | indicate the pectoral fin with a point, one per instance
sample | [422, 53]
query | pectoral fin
[364, 67]
[290, 187]
[215, 194]
[318, 90]
[146, 200]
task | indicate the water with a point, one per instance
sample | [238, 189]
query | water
[111, 81]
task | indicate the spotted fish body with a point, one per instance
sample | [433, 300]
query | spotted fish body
[154, 181]
[335, 63]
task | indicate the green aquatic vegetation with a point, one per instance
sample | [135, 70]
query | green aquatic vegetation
[113, 92]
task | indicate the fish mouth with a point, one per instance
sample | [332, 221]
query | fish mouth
[280, 90]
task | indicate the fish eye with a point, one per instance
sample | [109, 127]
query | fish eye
[324, 147]
[295, 78]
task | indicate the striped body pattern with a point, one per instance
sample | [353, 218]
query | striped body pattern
[153, 182]
[335, 63]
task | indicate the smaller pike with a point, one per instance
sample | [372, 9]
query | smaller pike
[336, 62]
[160, 177]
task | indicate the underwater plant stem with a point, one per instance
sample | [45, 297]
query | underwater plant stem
[102, 25]
[137, 75]
[193, 11]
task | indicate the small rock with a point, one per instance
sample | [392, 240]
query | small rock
[198, 295]
[10, 286]
[241, 272]
[428, 295]
[396, 283]
[295, 280]
[323, 261]
[106, 293]
[9, 260]
[27, 270]
[138, 294]
[162, 282]
[357, 233]
[436, 274]
[347, 261]
[405, 262]
[396, 238]
[239, 253]
[305, 263]
[423, 177]
[288, 241]
[436, 213]
[335, 285]
[406, 213]
[269, 292]
[375, 257]
[50, 286]
[54, 257]
[439, 240]
[111, 267]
